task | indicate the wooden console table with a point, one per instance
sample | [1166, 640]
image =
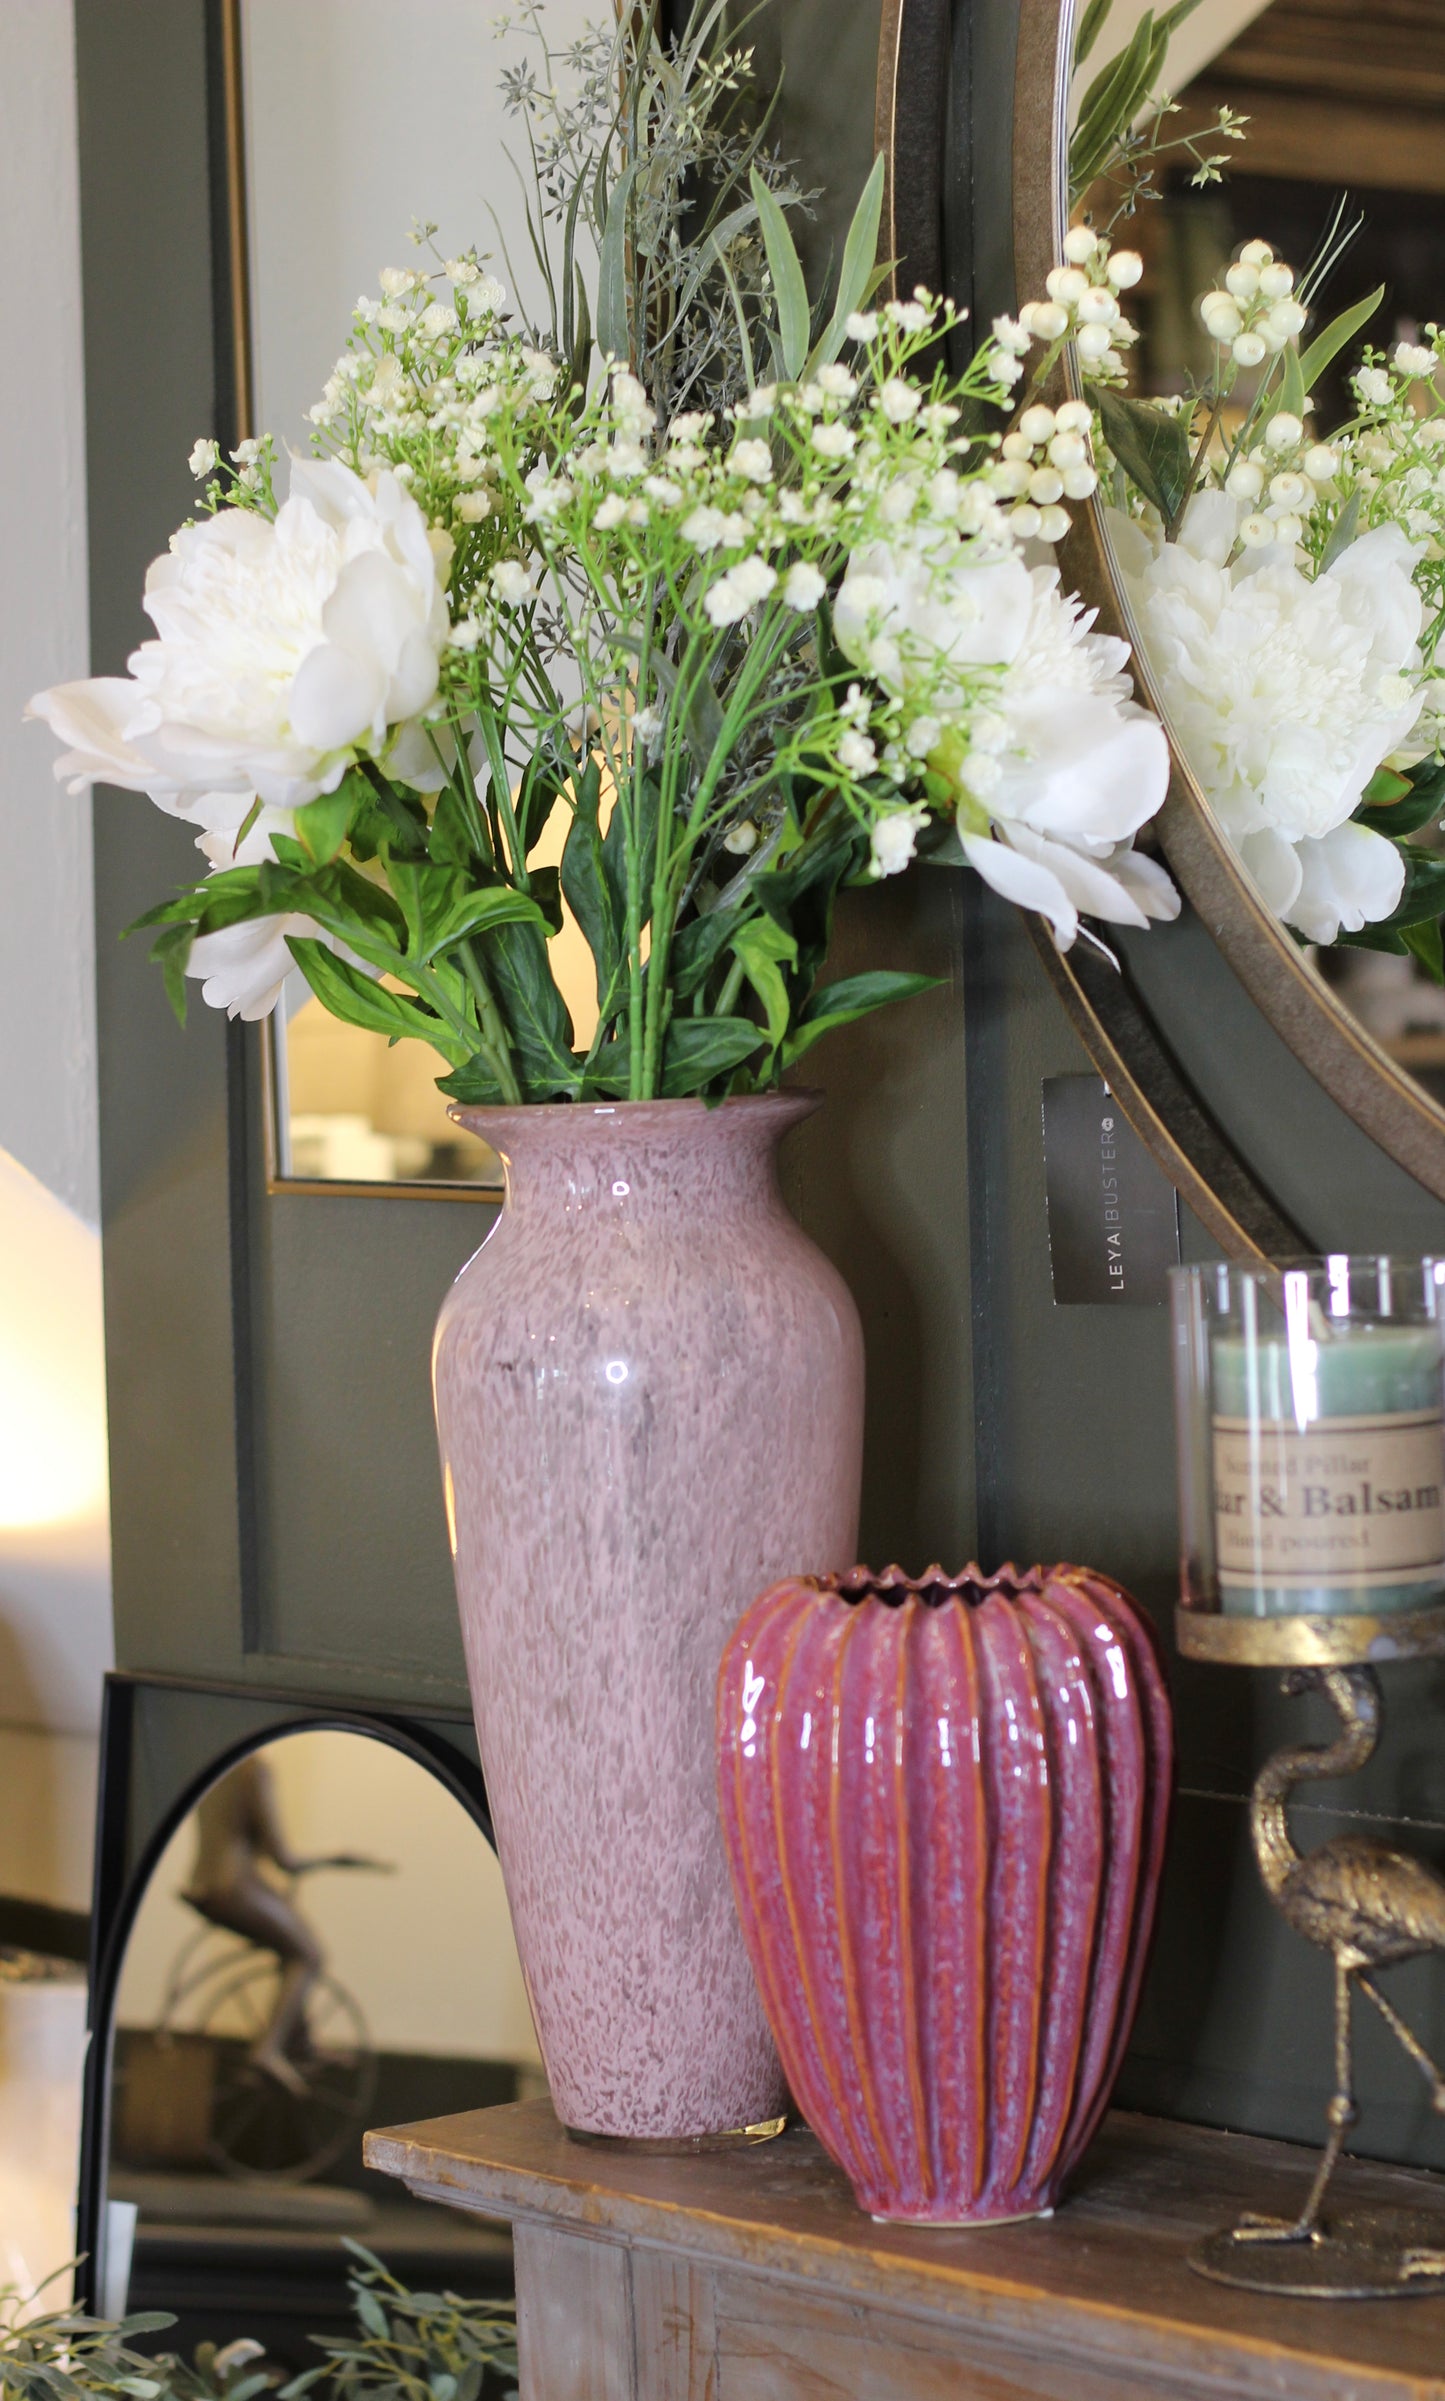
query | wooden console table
[751, 2276]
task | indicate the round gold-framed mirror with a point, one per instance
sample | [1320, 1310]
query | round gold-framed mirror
[1378, 1071]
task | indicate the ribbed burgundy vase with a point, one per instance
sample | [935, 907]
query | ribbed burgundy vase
[945, 1805]
[649, 1392]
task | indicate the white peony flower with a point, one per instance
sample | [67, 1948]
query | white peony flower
[1059, 770]
[1285, 695]
[243, 967]
[283, 650]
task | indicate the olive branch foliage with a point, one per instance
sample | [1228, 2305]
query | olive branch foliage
[408, 2346]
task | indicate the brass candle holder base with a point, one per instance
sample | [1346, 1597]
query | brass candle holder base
[1287, 1641]
[1360, 2255]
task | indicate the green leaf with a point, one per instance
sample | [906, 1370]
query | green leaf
[614, 338]
[1424, 941]
[321, 827]
[1331, 341]
[356, 998]
[473, 1084]
[1342, 533]
[860, 255]
[1419, 796]
[723, 234]
[703, 718]
[453, 841]
[1174, 17]
[546, 777]
[534, 1010]
[1384, 788]
[596, 899]
[855, 996]
[1109, 106]
[698, 1049]
[478, 913]
[1091, 25]
[1374, 937]
[764, 949]
[1151, 446]
[369, 2310]
[790, 289]
[170, 952]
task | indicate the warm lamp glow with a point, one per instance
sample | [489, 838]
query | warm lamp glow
[52, 1366]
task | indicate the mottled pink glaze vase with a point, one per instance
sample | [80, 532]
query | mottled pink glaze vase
[945, 1805]
[649, 1392]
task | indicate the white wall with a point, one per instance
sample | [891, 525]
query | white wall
[427, 1951]
[54, 1570]
[360, 115]
[47, 1009]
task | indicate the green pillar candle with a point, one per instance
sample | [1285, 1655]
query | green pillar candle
[1329, 1471]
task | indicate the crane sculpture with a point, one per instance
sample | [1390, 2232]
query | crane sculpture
[1366, 1904]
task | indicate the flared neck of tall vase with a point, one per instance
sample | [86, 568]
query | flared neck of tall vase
[633, 1157]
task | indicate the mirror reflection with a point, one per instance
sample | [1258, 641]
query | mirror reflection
[1274, 444]
[324, 1946]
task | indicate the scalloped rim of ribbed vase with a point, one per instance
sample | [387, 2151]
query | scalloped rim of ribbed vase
[934, 1587]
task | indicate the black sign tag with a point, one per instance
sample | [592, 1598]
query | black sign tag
[1113, 1217]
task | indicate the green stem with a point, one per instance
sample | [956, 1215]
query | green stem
[496, 1048]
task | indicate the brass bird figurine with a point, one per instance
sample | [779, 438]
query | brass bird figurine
[1368, 1905]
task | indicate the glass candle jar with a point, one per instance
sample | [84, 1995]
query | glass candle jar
[1311, 1446]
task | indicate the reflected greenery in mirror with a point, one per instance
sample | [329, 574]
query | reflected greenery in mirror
[1275, 500]
[324, 1945]
[406, 2346]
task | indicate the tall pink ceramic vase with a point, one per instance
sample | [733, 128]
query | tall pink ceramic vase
[649, 1389]
[945, 1805]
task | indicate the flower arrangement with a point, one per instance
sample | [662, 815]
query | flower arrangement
[1288, 589]
[743, 585]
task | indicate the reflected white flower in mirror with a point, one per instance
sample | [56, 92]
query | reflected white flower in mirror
[1285, 694]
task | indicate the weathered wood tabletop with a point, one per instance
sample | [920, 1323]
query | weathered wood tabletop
[751, 2275]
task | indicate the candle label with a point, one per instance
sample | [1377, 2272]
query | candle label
[1352, 1500]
